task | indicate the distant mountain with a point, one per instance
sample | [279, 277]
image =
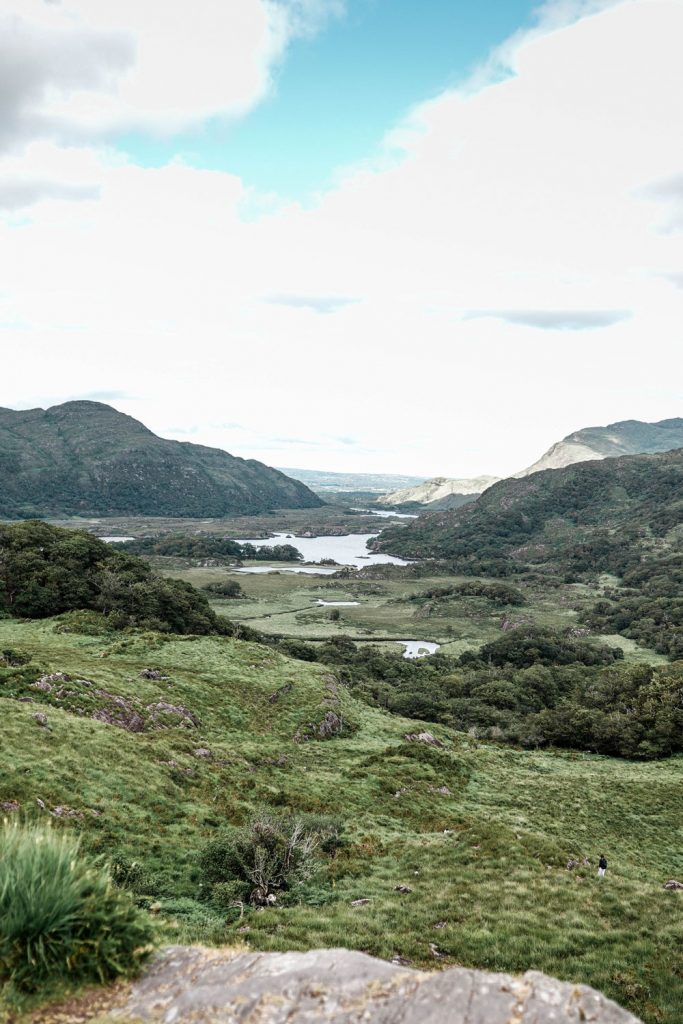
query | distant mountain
[85, 458]
[320, 480]
[439, 489]
[591, 513]
[628, 437]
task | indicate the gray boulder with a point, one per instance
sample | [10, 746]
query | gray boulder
[224, 986]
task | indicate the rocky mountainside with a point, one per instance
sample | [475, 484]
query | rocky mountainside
[629, 437]
[438, 489]
[628, 502]
[85, 458]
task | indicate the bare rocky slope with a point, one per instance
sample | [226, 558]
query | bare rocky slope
[628, 437]
[86, 458]
[224, 986]
[437, 489]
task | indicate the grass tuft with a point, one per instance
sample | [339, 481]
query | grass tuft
[61, 917]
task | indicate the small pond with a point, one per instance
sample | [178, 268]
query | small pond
[418, 648]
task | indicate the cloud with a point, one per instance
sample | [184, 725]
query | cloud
[669, 193]
[44, 57]
[557, 319]
[316, 303]
[521, 195]
[103, 396]
[80, 70]
[17, 194]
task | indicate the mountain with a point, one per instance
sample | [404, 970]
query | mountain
[613, 509]
[628, 437]
[438, 489]
[85, 458]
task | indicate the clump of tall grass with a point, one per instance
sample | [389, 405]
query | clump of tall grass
[62, 919]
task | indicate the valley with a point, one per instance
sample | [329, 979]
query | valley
[474, 704]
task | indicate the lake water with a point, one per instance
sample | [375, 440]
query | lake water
[321, 570]
[115, 540]
[418, 648]
[338, 604]
[349, 550]
[385, 515]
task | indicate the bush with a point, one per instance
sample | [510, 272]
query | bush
[61, 916]
[268, 856]
[223, 588]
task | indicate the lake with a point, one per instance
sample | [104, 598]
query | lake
[418, 648]
[349, 550]
[385, 515]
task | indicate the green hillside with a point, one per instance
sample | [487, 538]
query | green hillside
[85, 458]
[600, 516]
[149, 765]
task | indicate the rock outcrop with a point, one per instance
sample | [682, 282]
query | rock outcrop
[224, 986]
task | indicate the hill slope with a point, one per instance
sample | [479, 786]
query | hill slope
[628, 437]
[438, 488]
[479, 834]
[544, 516]
[85, 458]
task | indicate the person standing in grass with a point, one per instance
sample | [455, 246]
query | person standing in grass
[602, 865]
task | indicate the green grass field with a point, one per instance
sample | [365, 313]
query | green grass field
[480, 833]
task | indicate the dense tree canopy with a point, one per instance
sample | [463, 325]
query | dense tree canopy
[45, 570]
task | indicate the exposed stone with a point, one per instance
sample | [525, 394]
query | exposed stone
[152, 673]
[360, 903]
[228, 986]
[402, 888]
[187, 719]
[275, 697]
[41, 718]
[120, 712]
[54, 677]
[331, 724]
[9, 805]
[66, 812]
[42, 684]
[423, 737]
[673, 884]
[203, 752]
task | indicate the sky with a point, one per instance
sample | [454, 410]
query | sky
[358, 235]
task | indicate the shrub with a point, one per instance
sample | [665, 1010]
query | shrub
[266, 857]
[223, 588]
[61, 916]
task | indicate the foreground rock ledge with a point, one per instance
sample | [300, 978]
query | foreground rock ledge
[224, 986]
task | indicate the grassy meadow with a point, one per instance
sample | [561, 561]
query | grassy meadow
[480, 833]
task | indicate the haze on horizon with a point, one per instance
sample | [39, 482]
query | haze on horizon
[351, 235]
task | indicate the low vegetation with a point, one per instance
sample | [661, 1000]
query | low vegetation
[480, 832]
[219, 548]
[61, 916]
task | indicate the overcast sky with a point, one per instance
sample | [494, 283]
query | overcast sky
[375, 235]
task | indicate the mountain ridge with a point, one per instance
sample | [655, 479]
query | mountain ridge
[86, 458]
[630, 503]
[633, 437]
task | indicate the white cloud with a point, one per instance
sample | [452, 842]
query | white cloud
[77, 70]
[544, 198]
